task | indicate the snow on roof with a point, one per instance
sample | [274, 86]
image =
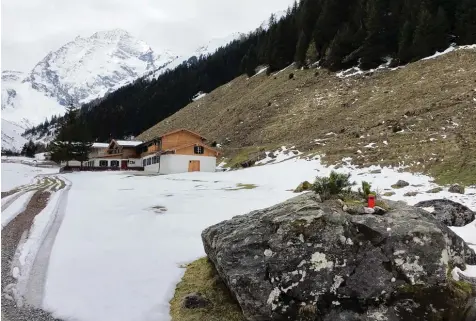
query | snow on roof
[128, 142]
[100, 145]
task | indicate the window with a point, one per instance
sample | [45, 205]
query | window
[131, 162]
[103, 163]
[114, 163]
[149, 161]
[198, 149]
[144, 162]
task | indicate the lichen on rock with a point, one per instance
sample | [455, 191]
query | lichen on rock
[366, 263]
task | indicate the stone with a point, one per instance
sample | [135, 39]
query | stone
[411, 194]
[470, 314]
[303, 187]
[456, 188]
[355, 209]
[368, 210]
[376, 171]
[435, 190]
[345, 268]
[195, 301]
[400, 184]
[448, 212]
[379, 210]
[388, 194]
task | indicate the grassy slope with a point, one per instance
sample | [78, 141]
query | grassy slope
[423, 97]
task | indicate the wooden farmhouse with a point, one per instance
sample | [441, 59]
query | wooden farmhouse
[177, 151]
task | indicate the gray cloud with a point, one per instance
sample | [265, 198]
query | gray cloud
[32, 28]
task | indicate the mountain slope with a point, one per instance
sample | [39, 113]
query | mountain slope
[11, 136]
[422, 115]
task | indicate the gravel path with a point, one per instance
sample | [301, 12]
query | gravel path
[12, 235]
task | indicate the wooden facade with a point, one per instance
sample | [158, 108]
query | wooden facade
[180, 141]
[191, 149]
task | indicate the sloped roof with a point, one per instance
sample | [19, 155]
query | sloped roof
[167, 133]
[128, 143]
[179, 130]
[100, 145]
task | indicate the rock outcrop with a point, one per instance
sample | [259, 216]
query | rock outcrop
[309, 260]
[448, 212]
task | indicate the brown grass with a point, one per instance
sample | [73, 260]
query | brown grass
[202, 277]
[423, 98]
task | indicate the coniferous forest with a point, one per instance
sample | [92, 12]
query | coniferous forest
[337, 33]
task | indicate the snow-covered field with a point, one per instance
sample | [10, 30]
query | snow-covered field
[116, 257]
[124, 236]
[15, 174]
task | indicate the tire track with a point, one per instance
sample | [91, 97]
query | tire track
[13, 235]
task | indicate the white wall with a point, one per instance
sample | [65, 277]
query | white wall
[134, 162]
[171, 164]
[72, 163]
[97, 160]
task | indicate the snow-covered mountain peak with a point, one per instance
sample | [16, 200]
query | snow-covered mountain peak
[90, 67]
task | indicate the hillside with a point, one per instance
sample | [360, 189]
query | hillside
[335, 35]
[421, 115]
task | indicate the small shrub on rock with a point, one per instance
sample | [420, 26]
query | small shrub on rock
[366, 190]
[334, 185]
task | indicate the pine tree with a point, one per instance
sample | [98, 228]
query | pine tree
[405, 43]
[338, 48]
[373, 47]
[311, 54]
[301, 50]
[466, 22]
[431, 33]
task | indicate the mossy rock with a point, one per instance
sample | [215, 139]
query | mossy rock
[201, 277]
[387, 194]
[410, 194]
[451, 299]
[435, 190]
[304, 186]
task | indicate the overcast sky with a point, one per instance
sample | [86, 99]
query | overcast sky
[32, 28]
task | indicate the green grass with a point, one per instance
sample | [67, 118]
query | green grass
[453, 171]
[201, 276]
[240, 186]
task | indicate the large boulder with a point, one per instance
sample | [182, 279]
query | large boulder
[448, 212]
[307, 260]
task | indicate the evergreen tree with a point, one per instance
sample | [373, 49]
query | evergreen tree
[431, 33]
[311, 54]
[339, 47]
[466, 22]
[405, 43]
[301, 49]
